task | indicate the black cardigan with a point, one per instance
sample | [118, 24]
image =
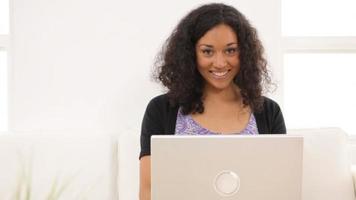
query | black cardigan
[160, 119]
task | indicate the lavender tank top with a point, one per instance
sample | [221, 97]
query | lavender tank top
[186, 125]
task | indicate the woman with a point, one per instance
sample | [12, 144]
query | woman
[214, 70]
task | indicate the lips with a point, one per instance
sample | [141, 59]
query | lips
[219, 74]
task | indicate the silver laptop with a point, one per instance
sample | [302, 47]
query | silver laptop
[263, 167]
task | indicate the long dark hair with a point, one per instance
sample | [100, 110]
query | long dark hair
[177, 65]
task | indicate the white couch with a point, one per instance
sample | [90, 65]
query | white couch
[58, 166]
[326, 165]
[105, 167]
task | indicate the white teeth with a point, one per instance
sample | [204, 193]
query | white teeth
[220, 73]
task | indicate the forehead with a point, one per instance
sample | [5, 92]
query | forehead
[219, 35]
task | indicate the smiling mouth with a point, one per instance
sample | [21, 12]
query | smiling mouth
[221, 74]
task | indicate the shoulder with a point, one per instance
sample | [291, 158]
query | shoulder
[161, 105]
[270, 119]
[269, 105]
[160, 116]
[160, 102]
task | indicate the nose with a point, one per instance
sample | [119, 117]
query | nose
[220, 60]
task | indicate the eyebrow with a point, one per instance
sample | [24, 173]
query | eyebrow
[232, 43]
[211, 46]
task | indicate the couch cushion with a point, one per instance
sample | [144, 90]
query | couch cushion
[70, 167]
[326, 165]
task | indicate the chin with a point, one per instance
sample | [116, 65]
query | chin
[220, 86]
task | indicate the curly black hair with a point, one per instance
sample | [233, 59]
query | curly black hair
[177, 64]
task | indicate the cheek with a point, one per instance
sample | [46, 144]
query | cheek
[203, 62]
[235, 62]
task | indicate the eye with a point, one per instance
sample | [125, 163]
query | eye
[207, 52]
[231, 51]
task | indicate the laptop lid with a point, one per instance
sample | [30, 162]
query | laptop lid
[229, 167]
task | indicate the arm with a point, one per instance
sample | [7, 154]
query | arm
[278, 126]
[276, 118]
[151, 123]
[145, 178]
[270, 119]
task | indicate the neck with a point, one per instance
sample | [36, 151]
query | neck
[230, 94]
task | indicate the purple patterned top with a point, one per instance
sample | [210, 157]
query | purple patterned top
[186, 125]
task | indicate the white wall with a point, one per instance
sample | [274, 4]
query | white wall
[86, 64]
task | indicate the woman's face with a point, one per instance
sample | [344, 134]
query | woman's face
[218, 57]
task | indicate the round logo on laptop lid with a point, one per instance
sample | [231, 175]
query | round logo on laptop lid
[226, 183]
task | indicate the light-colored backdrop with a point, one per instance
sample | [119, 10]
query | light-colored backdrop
[85, 65]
